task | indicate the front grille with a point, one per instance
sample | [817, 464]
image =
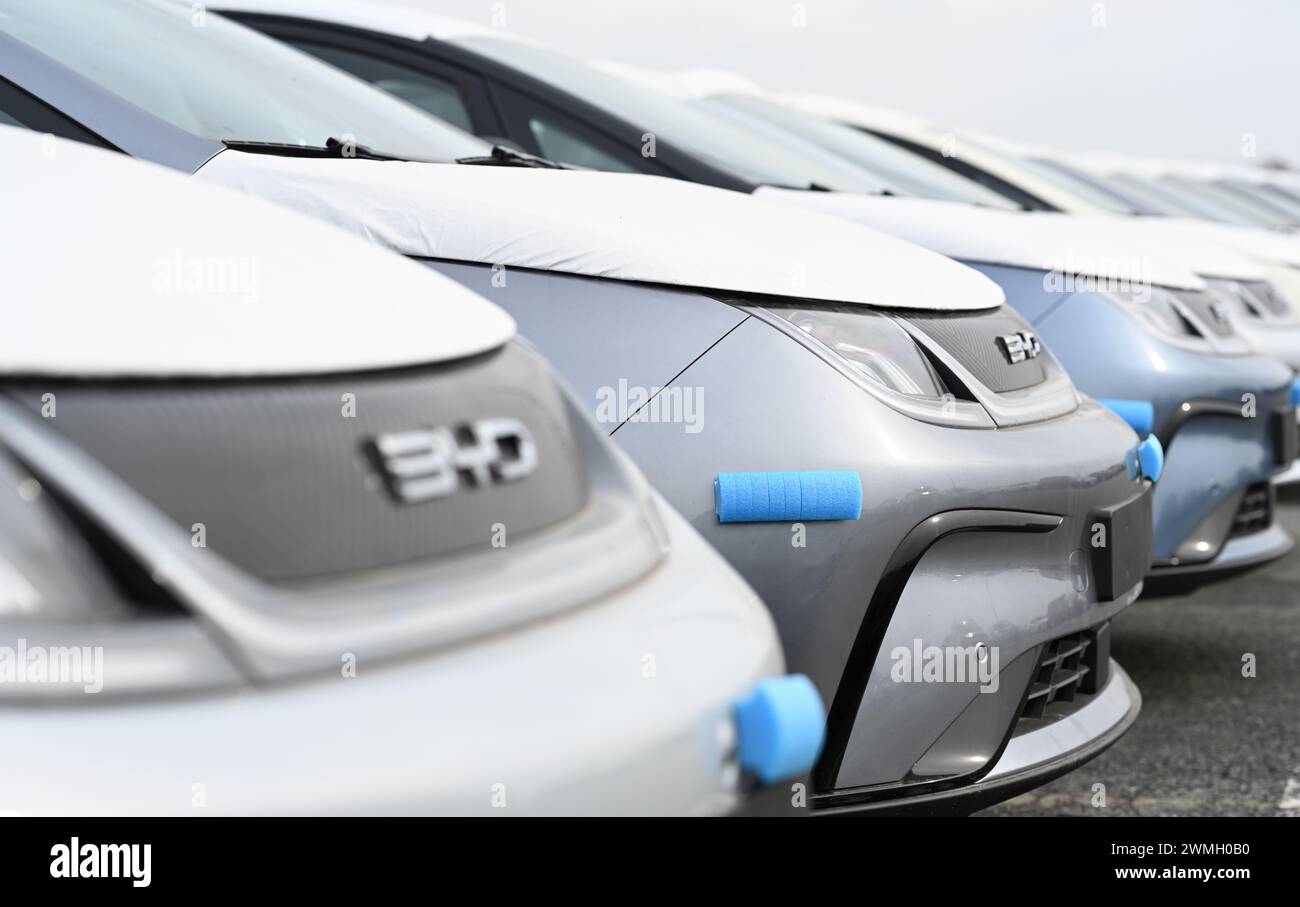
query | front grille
[1210, 312]
[282, 475]
[1255, 512]
[1267, 295]
[972, 339]
[1070, 670]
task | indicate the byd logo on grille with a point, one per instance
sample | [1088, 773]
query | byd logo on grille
[429, 463]
[1019, 346]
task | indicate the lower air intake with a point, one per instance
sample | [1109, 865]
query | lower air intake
[1070, 670]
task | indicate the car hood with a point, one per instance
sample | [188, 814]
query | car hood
[610, 225]
[1198, 251]
[120, 268]
[1262, 245]
[1044, 241]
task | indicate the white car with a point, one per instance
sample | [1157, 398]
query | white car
[294, 525]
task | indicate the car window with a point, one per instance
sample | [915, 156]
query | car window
[728, 147]
[901, 170]
[218, 80]
[7, 120]
[559, 144]
[437, 96]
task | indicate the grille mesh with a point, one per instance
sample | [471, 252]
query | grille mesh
[972, 339]
[1255, 512]
[284, 482]
[1210, 312]
[1070, 669]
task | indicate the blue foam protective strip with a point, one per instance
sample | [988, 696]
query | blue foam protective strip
[787, 497]
[780, 728]
[1151, 454]
[1139, 414]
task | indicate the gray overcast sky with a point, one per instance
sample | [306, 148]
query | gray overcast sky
[1185, 78]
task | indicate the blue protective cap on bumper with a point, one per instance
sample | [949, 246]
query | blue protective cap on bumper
[1295, 392]
[781, 727]
[1139, 414]
[1151, 457]
[787, 497]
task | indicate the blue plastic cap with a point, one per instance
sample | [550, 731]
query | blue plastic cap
[781, 727]
[1295, 392]
[1151, 455]
[787, 497]
[1139, 414]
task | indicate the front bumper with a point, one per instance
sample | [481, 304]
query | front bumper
[1029, 760]
[624, 706]
[1289, 475]
[1237, 554]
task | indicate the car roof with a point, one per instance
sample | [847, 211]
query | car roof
[123, 268]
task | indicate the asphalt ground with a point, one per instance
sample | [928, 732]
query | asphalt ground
[1209, 741]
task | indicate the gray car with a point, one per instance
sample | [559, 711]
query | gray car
[1232, 413]
[940, 524]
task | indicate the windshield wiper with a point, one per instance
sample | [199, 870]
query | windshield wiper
[333, 148]
[501, 156]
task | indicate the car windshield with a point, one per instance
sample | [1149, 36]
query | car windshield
[1167, 200]
[1087, 189]
[1277, 195]
[909, 173]
[1257, 213]
[726, 146]
[218, 80]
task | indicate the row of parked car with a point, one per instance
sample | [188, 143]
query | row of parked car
[654, 444]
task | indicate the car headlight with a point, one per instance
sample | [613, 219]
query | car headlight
[875, 346]
[1162, 313]
[1234, 298]
[877, 353]
[1199, 320]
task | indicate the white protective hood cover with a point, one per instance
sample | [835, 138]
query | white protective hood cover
[114, 267]
[609, 225]
[1052, 242]
[1265, 245]
[1197, 251]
